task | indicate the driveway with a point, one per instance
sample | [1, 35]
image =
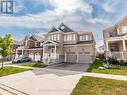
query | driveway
[41, 81]
[70, 66]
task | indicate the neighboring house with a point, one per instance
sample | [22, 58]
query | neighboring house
[15, 45]
[31, 46]
[63, 44]
[115, 40]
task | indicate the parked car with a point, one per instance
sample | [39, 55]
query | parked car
[22, 59]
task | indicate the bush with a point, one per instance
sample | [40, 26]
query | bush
[113, 60]
[122, 63]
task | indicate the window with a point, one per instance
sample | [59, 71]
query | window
[124, 29]
[74, 37]
[52, 37]
[65, 38]
[55, 37]
[58, 37]
[69, 37]
[110, 34]
[83, 38]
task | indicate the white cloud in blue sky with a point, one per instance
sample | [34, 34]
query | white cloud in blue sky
[37, 16]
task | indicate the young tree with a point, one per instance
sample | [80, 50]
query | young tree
[5, 47]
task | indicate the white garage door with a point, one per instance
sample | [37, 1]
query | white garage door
[84, 58]
[80, 58]
[31, 56]
[37, 57]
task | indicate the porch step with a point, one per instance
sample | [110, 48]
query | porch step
[7, 90]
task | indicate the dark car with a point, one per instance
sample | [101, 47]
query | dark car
[21, 59]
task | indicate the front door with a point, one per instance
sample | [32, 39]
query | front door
[52, 53]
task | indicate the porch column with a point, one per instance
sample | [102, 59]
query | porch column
[65, 59]
[22, 52]
[43, 51]
[16, 53]
[107, 46]
[124, 46]
[55, 52]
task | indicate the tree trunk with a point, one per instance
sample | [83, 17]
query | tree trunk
[41, 55]
[2, 66]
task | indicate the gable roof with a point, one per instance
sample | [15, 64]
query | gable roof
[53, 29]
[17, 42]
[64, 28]
[125, 17]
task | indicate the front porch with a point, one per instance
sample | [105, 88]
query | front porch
[117, 46]
[33, 53]
[51, 52]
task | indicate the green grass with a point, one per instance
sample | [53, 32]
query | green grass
[100, 86]
[94, 68]
[8, 70]
[33, 64]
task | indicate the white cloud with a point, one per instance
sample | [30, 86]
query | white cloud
[99, 20]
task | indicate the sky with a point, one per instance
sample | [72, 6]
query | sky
[38, 16]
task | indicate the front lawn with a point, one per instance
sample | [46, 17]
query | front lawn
[100, 86]
[8, 70]
[94, 68]
[34, 64]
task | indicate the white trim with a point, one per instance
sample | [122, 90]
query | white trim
[49, 41]
[30, 49]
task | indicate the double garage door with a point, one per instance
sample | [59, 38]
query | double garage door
[78, 58]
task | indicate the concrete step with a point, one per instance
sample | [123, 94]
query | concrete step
[7, 90]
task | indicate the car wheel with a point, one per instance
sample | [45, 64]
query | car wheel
[18, 61]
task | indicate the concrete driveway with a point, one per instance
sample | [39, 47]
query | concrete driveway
[70, 66]
[41, 81]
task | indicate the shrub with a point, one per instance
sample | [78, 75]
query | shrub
[113, 60]
[122, 63]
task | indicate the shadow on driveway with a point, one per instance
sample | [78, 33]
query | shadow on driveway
[62, 69]
[70, 66]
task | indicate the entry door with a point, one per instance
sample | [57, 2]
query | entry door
[52, 53]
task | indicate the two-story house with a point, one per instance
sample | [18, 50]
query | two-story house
[115, 40]
[63, 44]
[31, 46]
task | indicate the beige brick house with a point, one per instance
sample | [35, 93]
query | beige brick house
[115, 40]
[63, 44]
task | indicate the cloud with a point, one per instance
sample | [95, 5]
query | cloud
[77, 14]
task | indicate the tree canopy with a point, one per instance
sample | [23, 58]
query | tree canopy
[5, 45]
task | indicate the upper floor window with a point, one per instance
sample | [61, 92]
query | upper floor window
[54, 37]
[83, 38]
[110, 34]
[70, 37]
[124, 29]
